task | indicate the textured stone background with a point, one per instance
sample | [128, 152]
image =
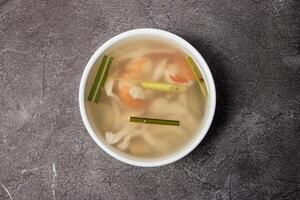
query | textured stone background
[251, 151]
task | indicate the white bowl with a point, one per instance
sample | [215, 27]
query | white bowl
[208, 116]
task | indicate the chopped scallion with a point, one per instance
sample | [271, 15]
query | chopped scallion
[100, 79]
[154, 121]
[197, 75]
[158, 86]
[163, 87]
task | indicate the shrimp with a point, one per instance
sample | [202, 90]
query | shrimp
[174, 65]
[129, 92]
[179, 71]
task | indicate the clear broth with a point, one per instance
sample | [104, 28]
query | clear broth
[149, 59]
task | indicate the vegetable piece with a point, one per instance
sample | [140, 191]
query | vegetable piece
[163, 87]
[158, 86]
[197, 75]
[154, 121]
[100, 79]
[106, 70]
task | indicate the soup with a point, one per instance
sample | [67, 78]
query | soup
[146, 98]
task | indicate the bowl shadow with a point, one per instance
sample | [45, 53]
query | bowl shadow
[218, 64]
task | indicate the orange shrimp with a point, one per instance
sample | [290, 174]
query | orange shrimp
[183, 72]
[177, 69]
[136, 69]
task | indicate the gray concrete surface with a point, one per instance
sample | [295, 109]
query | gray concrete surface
[251, 151]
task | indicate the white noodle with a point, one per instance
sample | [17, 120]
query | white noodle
[113, 138]
[164, 107]
[108, 89]
[115, 103]
[124, 144]
[154, 142]
[127, 129]
[159, 70]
